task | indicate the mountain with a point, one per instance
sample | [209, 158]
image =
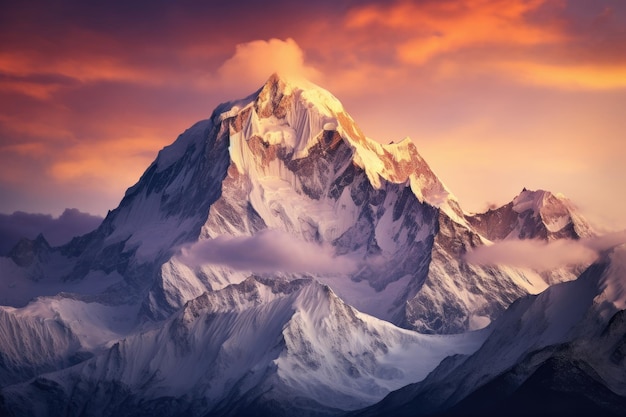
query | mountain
[309, 349]
[540, 216]
[272, 260]
[290, 158]
[532, 215]
[558, 353]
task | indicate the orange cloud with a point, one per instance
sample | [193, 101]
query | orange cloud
[435, 28]
[528, 42]
[105, 164]
[409, 67]
[19, 162]
[30, 149]
[568, 76]
[46, 126]
[83, 68]
[31, 89]
[254, 61]
[112, 163]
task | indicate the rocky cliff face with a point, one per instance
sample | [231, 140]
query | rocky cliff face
[557, 353]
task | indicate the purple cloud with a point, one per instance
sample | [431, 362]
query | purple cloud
[57, 231]
[267, 251]
[541, 255]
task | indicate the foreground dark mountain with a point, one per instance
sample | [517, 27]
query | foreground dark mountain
[559, 353]
[273, 260]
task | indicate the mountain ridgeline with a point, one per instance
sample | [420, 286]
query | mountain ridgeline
[120, 322]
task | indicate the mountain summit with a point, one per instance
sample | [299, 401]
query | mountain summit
[272, 252]
[290, 158]
[533, 215]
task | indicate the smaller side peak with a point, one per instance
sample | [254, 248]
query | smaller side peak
[526, 191]
[538, 197]
[531, 200]
[539, 193]
[26, 251]
[533, 214]
[403, 152]
[557, 213]
[533, 197]
[42, 241]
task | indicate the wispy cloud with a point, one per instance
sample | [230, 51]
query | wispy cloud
[436, 27]
[566, 76]
[267, 251]
[541, 255]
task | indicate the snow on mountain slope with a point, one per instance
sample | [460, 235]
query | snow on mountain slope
[308, 345]
[290, 172]
[532, 215]
[486, 292]
[456, 295]
[538, 215]
[300, 164]
[289, 157]
[55, 332]
[577, 324]
[31, 346]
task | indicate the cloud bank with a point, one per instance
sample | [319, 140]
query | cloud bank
[57, 231]
[542, 255]
[267, 251]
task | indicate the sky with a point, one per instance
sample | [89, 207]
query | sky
[497, 95]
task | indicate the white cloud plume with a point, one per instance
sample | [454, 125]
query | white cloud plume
[541, 255]
[267, 251]
[253, 62]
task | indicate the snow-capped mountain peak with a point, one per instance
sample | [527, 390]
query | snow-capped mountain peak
[298, 115]
[554, 210]
[533, 215]
[165, 333]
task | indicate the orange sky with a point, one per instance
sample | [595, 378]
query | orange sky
[497, 94]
